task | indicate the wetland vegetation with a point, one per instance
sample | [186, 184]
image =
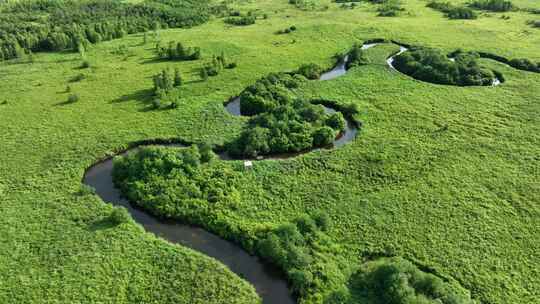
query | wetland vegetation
[434, 200]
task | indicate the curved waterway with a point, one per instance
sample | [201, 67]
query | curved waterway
[268, 281]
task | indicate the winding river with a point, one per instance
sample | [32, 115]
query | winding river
[268, 281]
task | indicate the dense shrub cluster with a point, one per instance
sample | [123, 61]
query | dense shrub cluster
[390, 8]
[357, 57]
[310, 71]
[174, 183]
[282, 123]
[432, 66]
[268, 92]
[398, 281]
[308, 5]
[291, 247]
[493, 5]
[241, 20]
[452, 11]
[525, 64]
[177, 51]
[53, 25]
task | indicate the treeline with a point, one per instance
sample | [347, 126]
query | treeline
[55, 25]
[433, 66]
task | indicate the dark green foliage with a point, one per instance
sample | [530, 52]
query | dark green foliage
[493, 5]
[291, 248]
[281, 123]
[452, 11]
[72, 98]
[119, 215]
[268, 92]
[525, 64]
[177, 51]
[217, 64]
[174, 182]
[310, 71]
[398, 281]
[432, 66]
[357, 57]
[390, 9]
[461, 13]
[207, 154]
[518, 63]
[203, 73]
[85, 64]
[156, 103]
[336, 121]
[48, 25]
[241, 21]
[177, 78]
[287, 30]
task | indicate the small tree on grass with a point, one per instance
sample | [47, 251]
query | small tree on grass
[204, 74]
[177, 78]
[72, 98]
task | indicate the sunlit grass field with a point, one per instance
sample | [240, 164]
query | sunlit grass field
[446, 176]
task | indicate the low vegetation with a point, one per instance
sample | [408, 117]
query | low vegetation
[241, 20]
[433, 66]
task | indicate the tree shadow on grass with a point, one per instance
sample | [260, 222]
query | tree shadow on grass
[143, 96]
[102, 224]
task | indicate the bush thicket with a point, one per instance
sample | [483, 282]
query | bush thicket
[433, 66]
[280, 122]
[452, 11]
[493, 5]
[398, 281]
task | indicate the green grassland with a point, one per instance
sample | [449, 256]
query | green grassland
[446, 176]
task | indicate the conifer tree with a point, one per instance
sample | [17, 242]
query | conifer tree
[177, 78]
